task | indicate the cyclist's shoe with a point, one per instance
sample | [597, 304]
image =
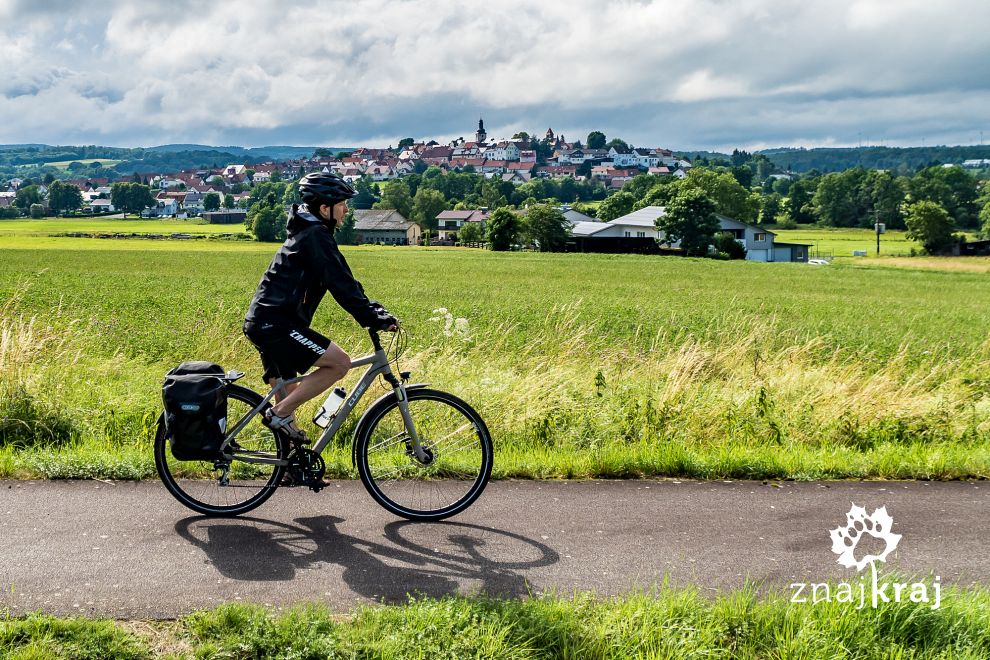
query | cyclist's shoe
[286, 425]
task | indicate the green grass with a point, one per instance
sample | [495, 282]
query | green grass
[582, 365]
[841, 242]
[13, 229]
[64, 164]
[673, 623]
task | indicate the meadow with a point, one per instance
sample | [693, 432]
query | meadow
[56, 226]
[841, 242]
[64, 164]
[583, 365]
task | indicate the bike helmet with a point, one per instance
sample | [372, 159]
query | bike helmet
[322, 188]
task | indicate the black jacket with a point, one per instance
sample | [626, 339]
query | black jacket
[308, 264]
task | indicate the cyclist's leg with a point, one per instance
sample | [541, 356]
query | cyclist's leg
[330, 367]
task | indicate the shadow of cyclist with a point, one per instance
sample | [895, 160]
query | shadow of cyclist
[261, 550]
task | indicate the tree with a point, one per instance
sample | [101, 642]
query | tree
[726, 243]
[547, 227]
[426, 206]
[952, 188]
[729, 196]
[596, 140]
[837, 201]
[365, 196]
[621, 145]
[347, 234]
[211, 202]
[395, 195]
[406, 142]
[275, 176]
[26, 196]
[772, 206]
[743, 174]
[522, 136]
[322, 152]
[798, 203]
[64, 196]
[266, 221]
[470, 232]
[131, 197]
[931, 225]
[216, 181]
[984, 202]
[502, 229]
[690, 219]
[616, 205]
[229, 202]
[37, 211]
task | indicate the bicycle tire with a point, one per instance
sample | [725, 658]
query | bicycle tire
[455, 407]
[164, 461]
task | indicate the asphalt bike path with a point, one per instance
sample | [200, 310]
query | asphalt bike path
[129, 550]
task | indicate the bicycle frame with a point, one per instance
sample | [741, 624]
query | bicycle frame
[378, 365]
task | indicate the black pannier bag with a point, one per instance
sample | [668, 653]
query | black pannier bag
[195, 398]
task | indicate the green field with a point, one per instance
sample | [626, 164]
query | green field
[582, 364]
[836, 242]
[105, 162]
[10, 230]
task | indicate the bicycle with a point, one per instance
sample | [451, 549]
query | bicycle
[421, 453]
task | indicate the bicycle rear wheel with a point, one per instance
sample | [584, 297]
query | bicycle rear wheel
[459, 450]
[232, 486]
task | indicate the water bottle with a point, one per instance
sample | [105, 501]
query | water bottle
[330, 407]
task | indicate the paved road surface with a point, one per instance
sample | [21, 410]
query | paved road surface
[128, 550]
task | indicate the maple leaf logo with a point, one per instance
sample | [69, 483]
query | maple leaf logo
[845, 539]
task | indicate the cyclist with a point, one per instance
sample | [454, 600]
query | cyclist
[308, 265]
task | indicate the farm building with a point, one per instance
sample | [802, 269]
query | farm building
[760, 243]
[386, 226]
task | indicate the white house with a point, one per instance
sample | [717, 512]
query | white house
[623, 157]
[502, 151]
[646, 158]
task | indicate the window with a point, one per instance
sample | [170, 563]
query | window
[628, 234]
[760, 237]
[641, 234]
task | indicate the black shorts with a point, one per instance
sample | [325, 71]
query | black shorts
[286, 351]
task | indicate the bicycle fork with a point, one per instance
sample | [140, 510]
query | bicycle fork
[417, 447]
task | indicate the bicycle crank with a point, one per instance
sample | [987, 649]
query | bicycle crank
[306, 469]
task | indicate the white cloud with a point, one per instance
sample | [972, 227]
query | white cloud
[346, 73]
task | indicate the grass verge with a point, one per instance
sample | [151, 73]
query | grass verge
[674, 623]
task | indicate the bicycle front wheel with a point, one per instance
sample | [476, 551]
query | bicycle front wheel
[231, 486]
[458, 448]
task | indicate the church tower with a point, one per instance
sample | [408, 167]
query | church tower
[480, 135]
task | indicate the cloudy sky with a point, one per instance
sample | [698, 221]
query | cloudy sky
[688, 74]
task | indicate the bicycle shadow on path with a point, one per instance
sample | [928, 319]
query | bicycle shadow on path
[446, 555]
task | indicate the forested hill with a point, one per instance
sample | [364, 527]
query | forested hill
[31, 159]
[898, 160]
